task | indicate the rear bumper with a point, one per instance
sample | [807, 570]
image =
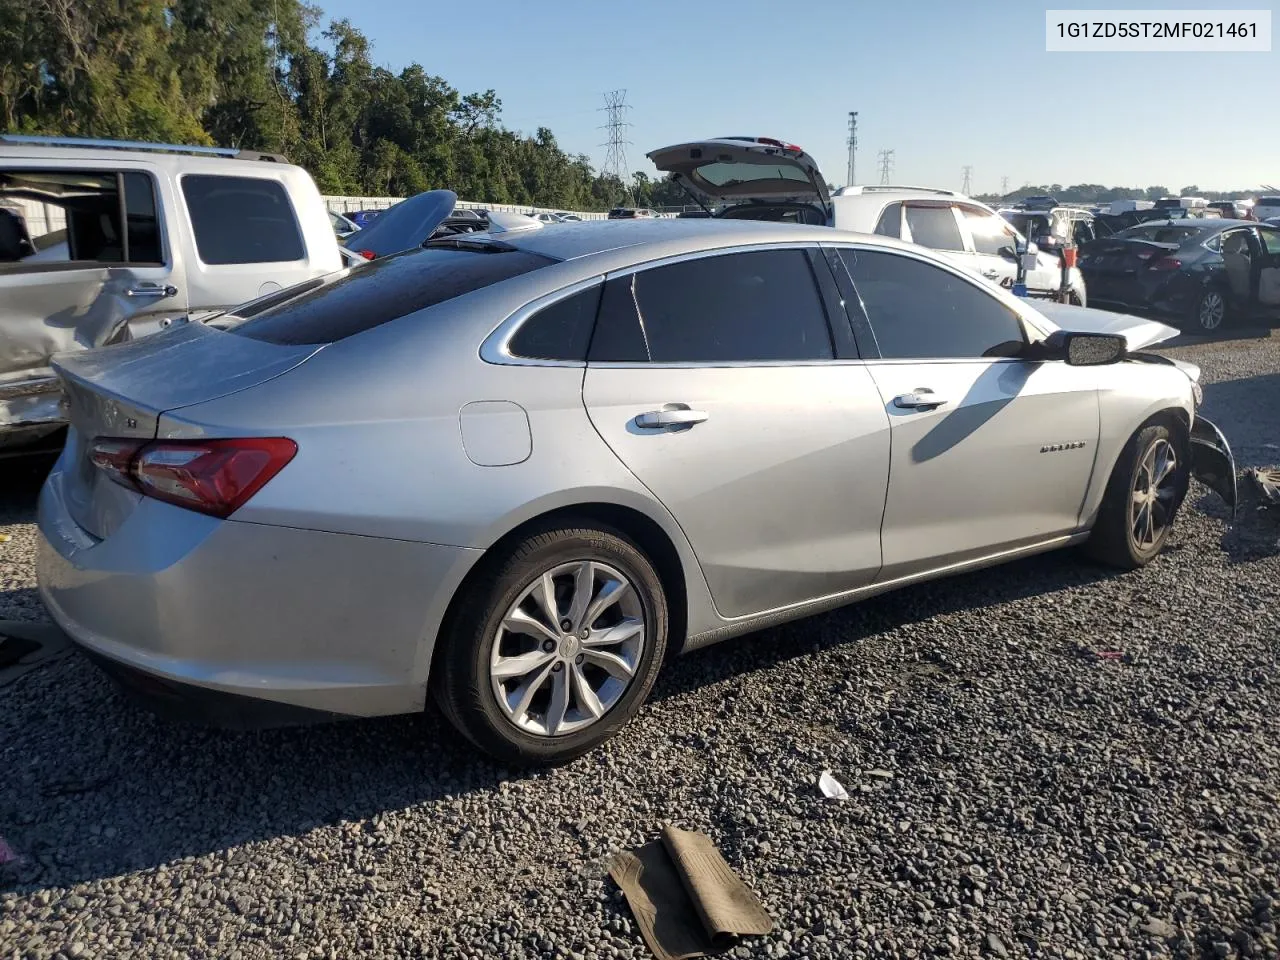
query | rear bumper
[331, 624]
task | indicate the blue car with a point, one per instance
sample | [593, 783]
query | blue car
[362, 218]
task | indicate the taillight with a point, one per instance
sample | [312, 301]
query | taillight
[367, 254]
[1166, 263]
[216, 477]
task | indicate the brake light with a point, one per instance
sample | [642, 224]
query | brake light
[216, 477]
[1166, 263]
[367, 254]
[791, 147]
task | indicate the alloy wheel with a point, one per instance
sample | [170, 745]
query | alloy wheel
[568, 648]
[1154, 494]
[1212, 309]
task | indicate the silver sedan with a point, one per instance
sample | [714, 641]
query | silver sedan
[515, 472]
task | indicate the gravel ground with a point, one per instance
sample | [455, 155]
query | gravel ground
[1044, 759]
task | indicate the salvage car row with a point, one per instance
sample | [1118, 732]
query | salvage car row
[513, 465]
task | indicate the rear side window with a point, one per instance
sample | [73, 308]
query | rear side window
[384, 290]
[920, 311]
[242, 220]
[560, 331]
[737, 307]
[934, 227]
[890, 222]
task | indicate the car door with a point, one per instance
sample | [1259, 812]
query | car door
[715, 381]
[994, 244]
[1269, 270]
[1239, 258]
[990, 453]
[95, 260]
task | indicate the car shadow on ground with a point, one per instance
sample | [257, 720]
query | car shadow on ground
[1244, 330]
[145, 794]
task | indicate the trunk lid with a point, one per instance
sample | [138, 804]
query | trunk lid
[744, 170]
[405, 225]
[1121, 256]
[121, 391]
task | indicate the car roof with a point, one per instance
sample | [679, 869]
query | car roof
[624, 242]
[162, 160]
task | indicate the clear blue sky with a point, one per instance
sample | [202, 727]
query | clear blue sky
[942, 83]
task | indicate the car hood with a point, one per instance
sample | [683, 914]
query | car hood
[1139, 333]
[744, 169]
[405, 225]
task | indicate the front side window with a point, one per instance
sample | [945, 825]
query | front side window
[920, 311]
[77, 217]
[241, 220]
[934, 227]
[1271, 240]
[756, 306]
[990, 233]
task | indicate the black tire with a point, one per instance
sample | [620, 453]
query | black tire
[461, 670]
[1212, 303]
[1113, 541]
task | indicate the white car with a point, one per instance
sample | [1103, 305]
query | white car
[1266, 208]
[758, 178]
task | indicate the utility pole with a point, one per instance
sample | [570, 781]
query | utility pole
[615, 161]
[853, 145]
[968, 179]
[885, 158]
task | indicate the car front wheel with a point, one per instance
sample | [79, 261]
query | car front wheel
[555, 645]
[1146, 489]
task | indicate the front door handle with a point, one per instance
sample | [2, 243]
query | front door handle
[991, 274]
[671, 415]
[921, 398]
[151, 290]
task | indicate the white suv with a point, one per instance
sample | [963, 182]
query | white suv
[759, 178]
[103, 241]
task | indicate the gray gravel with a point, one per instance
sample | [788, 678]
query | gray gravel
[1014, 793]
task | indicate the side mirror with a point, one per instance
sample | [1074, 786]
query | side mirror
[1084, 349]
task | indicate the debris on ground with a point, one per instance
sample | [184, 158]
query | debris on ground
[832, 788]
[7, 854]
[686, 899]
[1267, 481]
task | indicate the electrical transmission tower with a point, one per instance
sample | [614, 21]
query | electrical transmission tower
[1004, 185]
[968, 180]
[853, 145]
[885, 159]
[615, 160]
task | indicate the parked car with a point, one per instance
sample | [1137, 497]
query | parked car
[1266, 207]
[431, 216]
[760, 178]
[362, 218]
[569, 217]
[1038, 202]
[630, 213]
[1231, 209]
[342, 227]
[1199, 272]
[546, 217]
[125, 239]
[258, 533]
[1055, 229]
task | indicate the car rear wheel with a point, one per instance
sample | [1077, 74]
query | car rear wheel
[1144, 493]
[556, 644]
[1211, 311]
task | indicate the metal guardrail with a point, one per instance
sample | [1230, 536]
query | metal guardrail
[346, 205]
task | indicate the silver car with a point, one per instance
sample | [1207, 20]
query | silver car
[517, 471]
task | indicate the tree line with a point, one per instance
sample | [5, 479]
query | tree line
[243, 73]
[1097, 193]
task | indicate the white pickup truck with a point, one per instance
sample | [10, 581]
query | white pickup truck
[103, 241]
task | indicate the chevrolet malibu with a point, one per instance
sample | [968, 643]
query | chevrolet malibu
[515, 473]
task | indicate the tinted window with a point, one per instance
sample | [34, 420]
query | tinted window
[734, 307]
[561, 331]
[1161, 233]
[990, 233]
[890, 223]
[242, 220]
[918, 310]
[144, 228]
[349, 302]
[1271, 238]
[934, 227]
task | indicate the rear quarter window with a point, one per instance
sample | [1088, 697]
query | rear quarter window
[384, 290]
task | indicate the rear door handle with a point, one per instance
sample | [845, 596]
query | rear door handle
[671, 415]
[991, 274]
[151, 290]
[921, 398]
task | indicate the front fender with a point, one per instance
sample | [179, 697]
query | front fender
[1212, 462]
